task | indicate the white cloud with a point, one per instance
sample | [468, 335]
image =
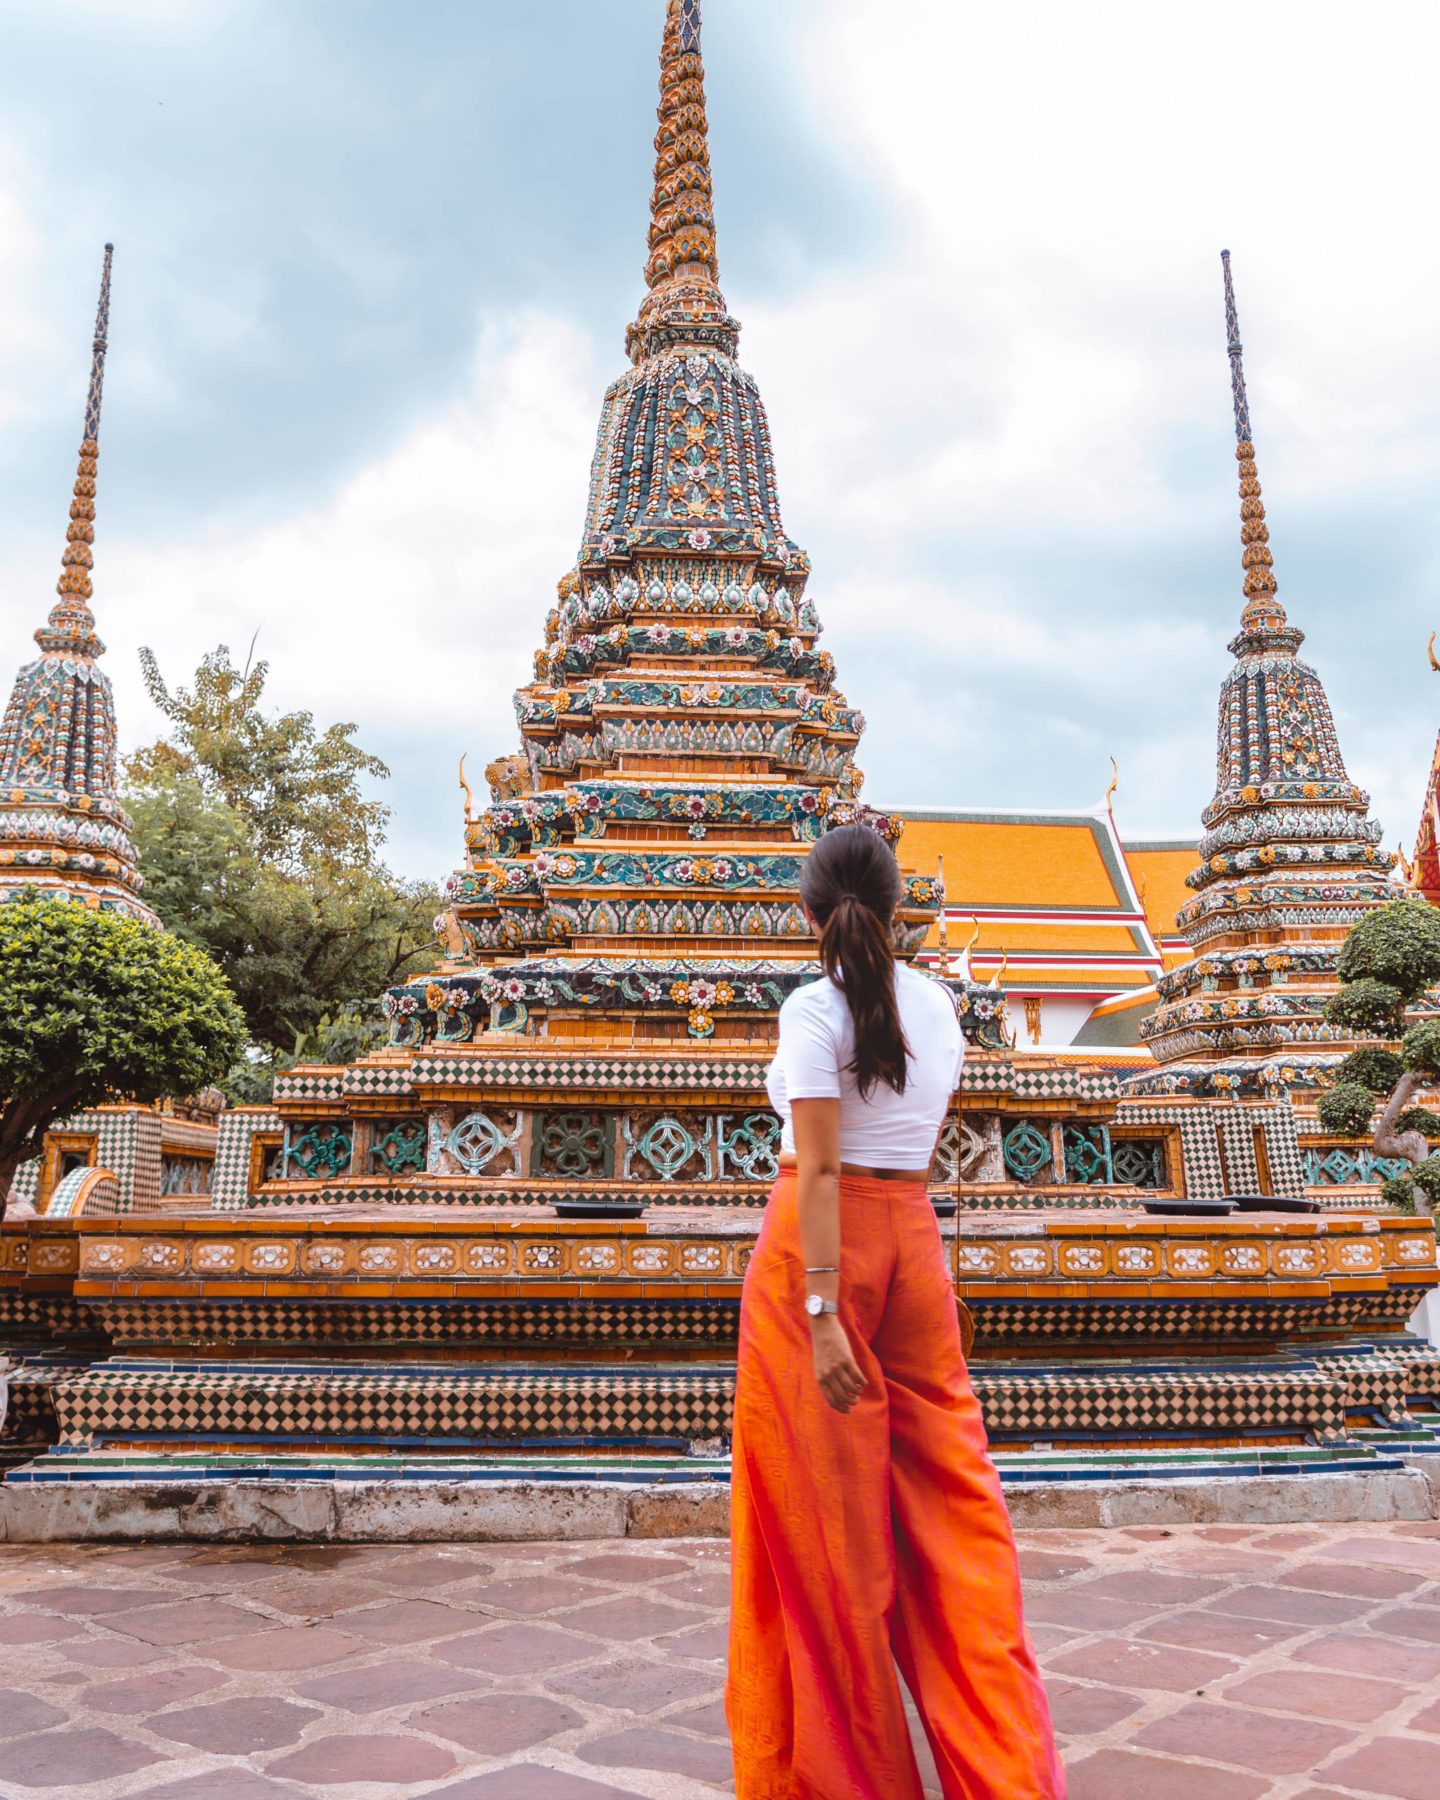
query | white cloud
[414, 596]
[1028, 374]
[27, 339]
[1038, 359]
[410, 600]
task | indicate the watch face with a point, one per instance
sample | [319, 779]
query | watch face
[814, 1306]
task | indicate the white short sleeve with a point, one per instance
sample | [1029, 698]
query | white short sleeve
[809, 1051]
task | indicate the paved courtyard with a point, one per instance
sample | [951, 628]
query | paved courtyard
[1195, 1663]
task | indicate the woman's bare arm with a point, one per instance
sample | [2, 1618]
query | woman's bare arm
[817, 1158]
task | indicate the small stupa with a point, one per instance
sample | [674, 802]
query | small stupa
[62, 827]
[1290, 857]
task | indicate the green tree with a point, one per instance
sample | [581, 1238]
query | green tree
[1388, 963]
[298, 789]
[345, 1038]
[258, 843]
[96, 1006]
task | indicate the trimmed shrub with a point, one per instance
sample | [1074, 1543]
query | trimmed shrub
[1373, 1068]
[1427, 1178]
[1421, 1119]
[1398, 1193]
[1347, 1109]
[1420, 1047]
[1397, 944]
[1367, 1005]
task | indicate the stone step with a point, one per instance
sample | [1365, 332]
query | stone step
[75, 1463]
[365, 1497]
[412, 1404]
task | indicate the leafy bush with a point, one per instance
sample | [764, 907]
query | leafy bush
[1347, 1108]
[1371, 1067]
[1390, 960]
[1367, 1005]
[1398, 1193]
[1418, 1118]
[1420, 1047]
[344, 1039]
[1398, 945]
[1426, 1177]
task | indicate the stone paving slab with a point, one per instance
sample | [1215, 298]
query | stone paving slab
[1213, 1662]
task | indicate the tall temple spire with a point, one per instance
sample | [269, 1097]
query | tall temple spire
[682, 273]
[1263, 610]
[71, 625]
[62, 827]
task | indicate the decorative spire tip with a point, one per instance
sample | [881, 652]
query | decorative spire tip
[1263, 611]
[683, 302]
[70, 628]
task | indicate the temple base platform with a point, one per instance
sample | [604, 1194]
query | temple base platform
[218, 1375]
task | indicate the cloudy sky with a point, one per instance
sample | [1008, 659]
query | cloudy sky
[374, 264]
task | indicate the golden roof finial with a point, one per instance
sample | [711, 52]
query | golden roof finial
[1114, 784]
[1434, 664]
[966, 969]
[469, 796]
[999, 974]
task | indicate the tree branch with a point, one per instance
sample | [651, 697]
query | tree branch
[1413, 1146]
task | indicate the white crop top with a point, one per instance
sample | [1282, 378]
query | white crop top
[817, 1043]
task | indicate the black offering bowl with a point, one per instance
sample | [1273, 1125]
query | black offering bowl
[1281, 1203]
[1190, 1209]
[598, 1209]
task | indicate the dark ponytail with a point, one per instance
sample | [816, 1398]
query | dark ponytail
[851, 885]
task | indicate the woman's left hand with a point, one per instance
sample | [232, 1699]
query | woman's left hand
[841, 1379]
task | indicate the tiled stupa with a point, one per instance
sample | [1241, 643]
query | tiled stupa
[1290, 856]
[633, 882]
[683, 741]
[62, 827]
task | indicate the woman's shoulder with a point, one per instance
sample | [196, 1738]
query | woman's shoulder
[815, 999]
[812, 1003]
[922, 990]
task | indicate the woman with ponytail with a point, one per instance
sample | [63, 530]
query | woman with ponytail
[866, 1519]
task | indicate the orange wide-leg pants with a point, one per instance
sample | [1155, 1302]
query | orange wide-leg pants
[874, 1537]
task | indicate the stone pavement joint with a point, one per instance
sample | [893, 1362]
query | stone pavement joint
[1193, 1662]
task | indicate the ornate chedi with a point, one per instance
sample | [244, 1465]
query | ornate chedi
[683, 739]
[62, 827]
[1290, 856]
[633, 881]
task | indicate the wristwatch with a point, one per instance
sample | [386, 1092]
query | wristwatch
[816, 1304]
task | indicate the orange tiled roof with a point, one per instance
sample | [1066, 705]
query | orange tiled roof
[1017, 859]
[1050, 890]
[1159, 871]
